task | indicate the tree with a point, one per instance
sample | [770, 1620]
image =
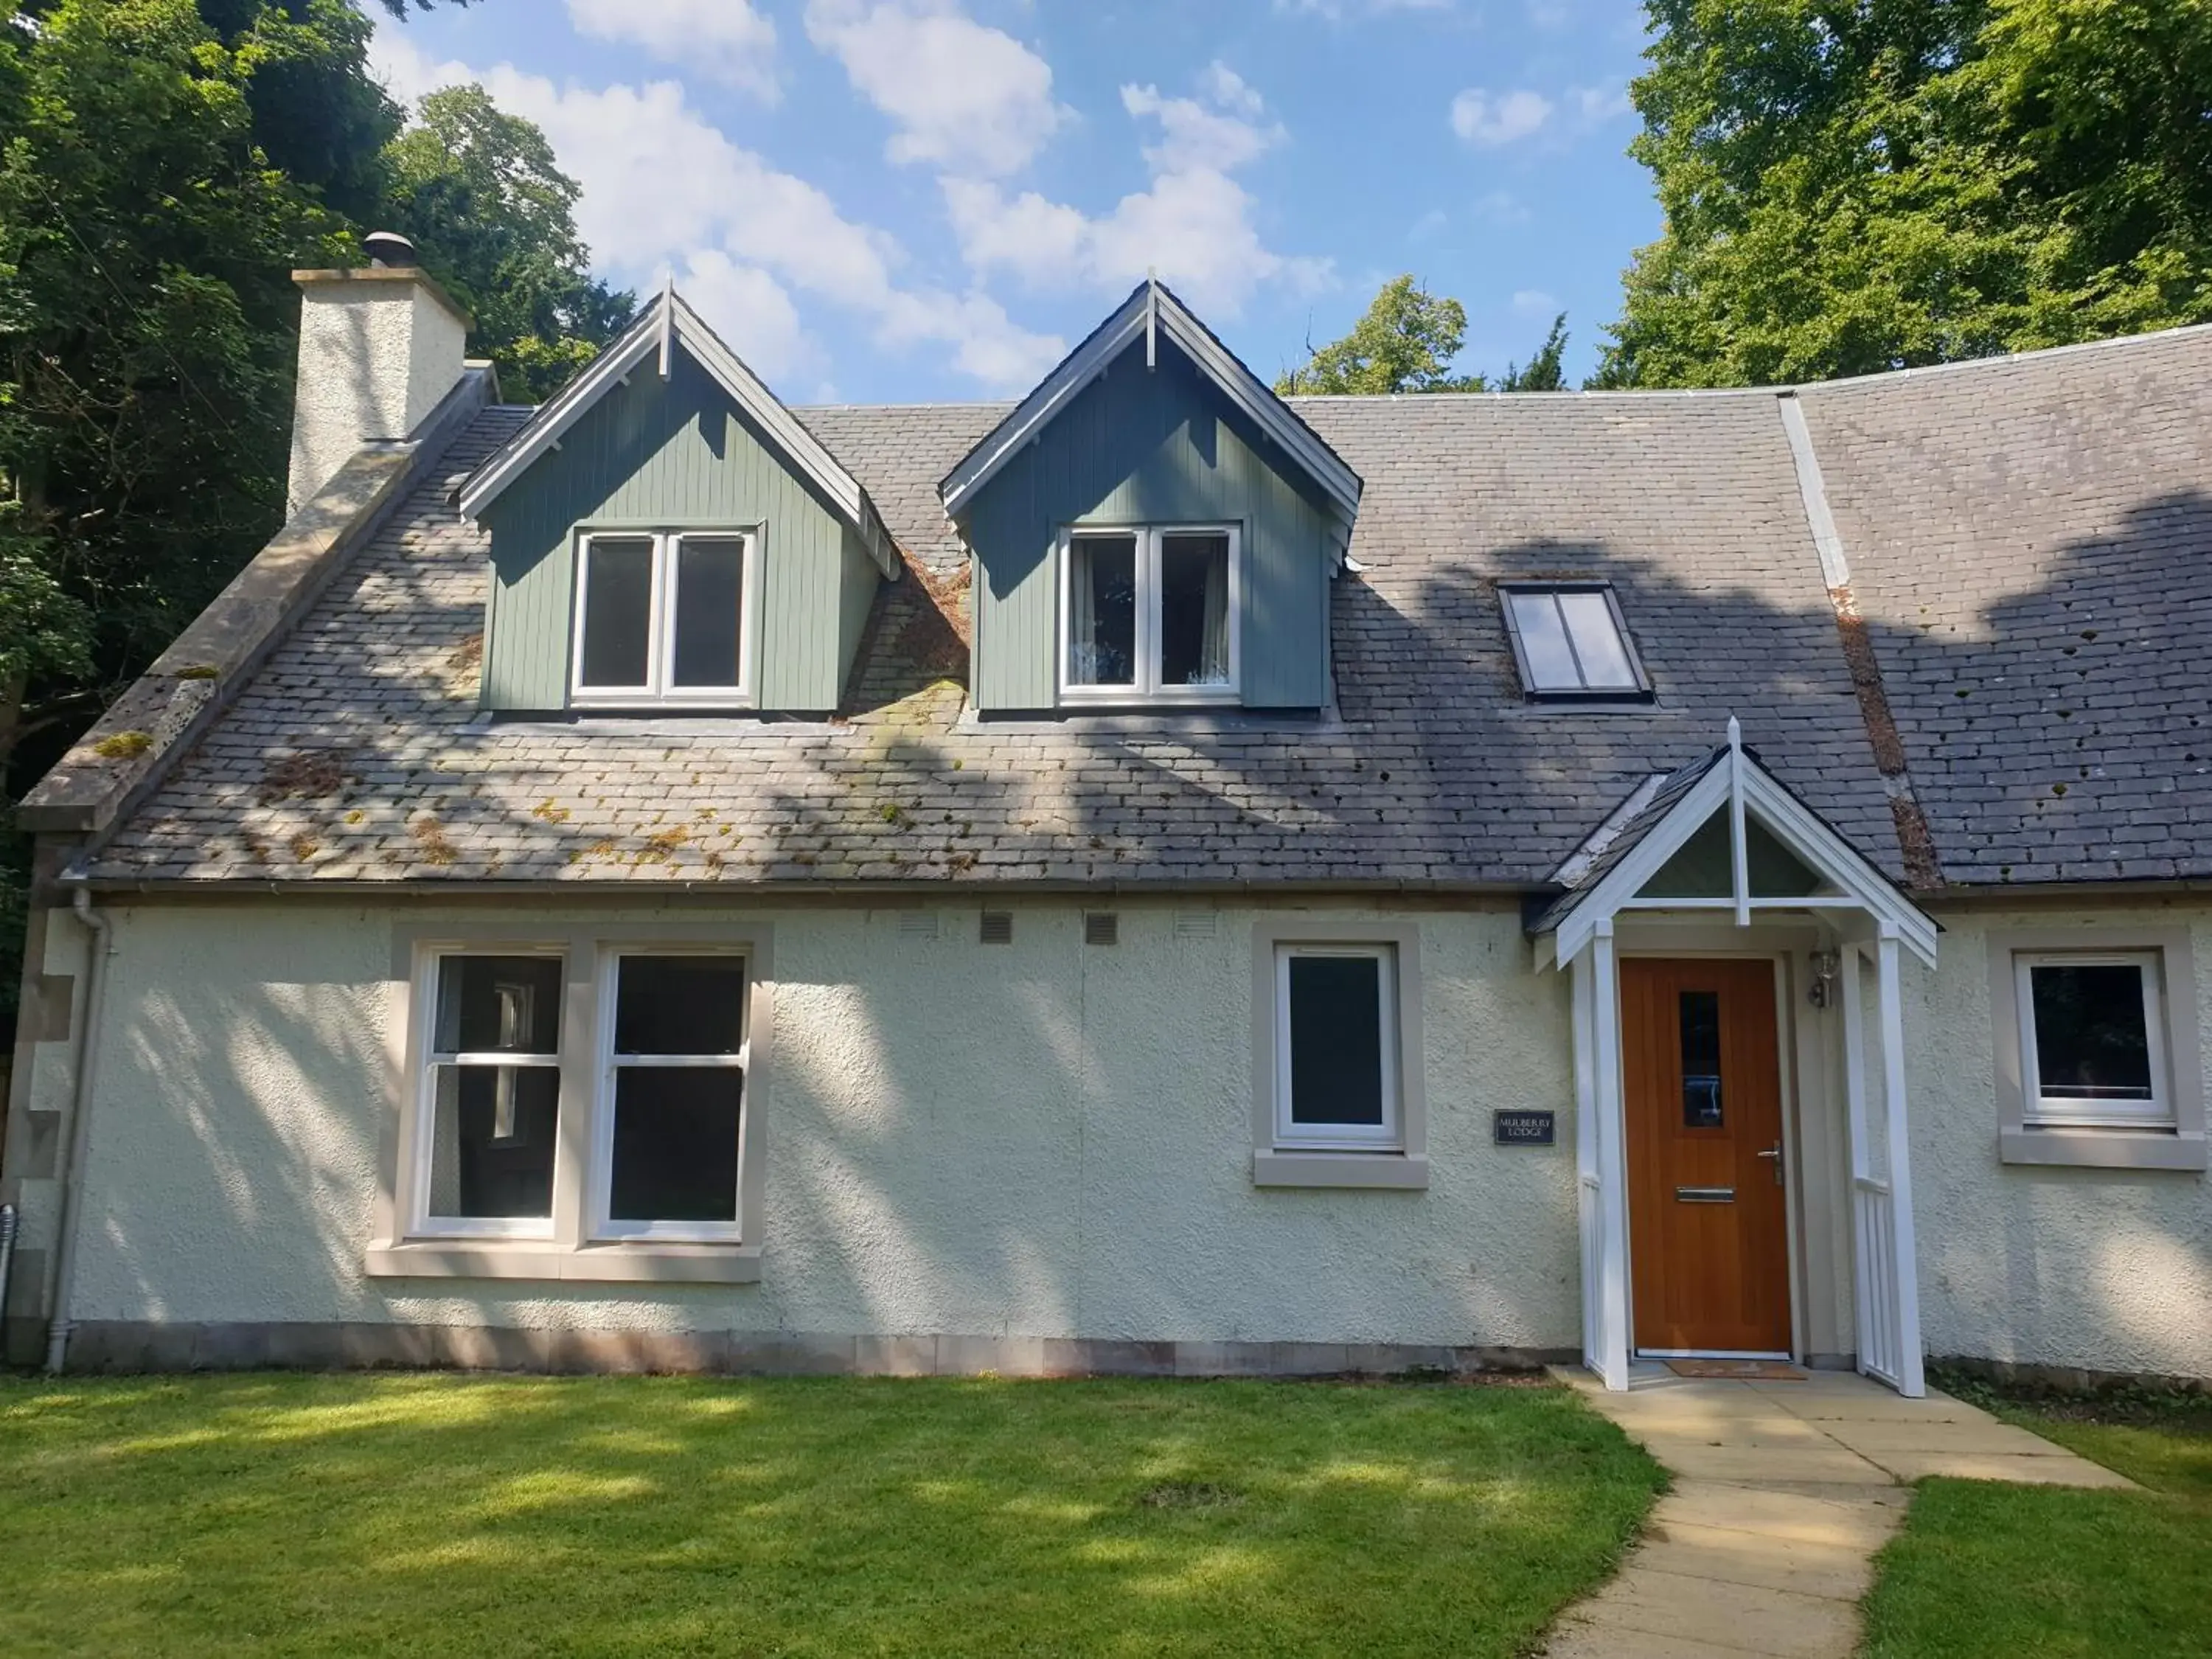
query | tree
[1406, 342]
[1546, 370]
[1852, 188]
[494, 218]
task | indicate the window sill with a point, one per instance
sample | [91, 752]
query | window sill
[609, 1264]
[1400, 1171]
[2103, 1149]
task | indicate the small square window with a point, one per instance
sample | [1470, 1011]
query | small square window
[1336, 1046]
[672, 1100]
[661, 619]
[2092, 1040]
[1570, 643]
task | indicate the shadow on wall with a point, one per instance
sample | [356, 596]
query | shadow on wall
[1436, 762]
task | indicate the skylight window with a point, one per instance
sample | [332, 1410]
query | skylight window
[1570, 643]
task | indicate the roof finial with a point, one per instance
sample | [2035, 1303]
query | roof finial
[1735, 735]
[668, 323]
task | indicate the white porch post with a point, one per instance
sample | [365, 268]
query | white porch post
[1611, 1361]
[1911, 1380]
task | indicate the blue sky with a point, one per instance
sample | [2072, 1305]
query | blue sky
[916, 200]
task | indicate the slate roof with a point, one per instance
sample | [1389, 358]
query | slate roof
[1977, 507]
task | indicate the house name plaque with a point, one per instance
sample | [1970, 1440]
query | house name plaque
[1525, 1128]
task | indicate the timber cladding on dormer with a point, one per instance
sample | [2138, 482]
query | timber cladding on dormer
[1152, 425]
[668, 437]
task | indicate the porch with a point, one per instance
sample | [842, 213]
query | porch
[1744, 1165]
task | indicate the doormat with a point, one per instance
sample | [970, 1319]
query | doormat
[1739, 1371]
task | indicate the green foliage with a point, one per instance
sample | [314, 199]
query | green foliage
[1546, 370]
[398, 1515]
[164, 165]
[1852, 188]
[1984, 1570]
[1406, 342]
[494, 218]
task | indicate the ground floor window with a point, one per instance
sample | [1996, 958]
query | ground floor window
[2097, 1047]
[579, 1090]
[672, 1096]
[1336, 1016]
[492, 1095]
[2092, 1038]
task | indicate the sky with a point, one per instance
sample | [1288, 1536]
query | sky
[911, 201]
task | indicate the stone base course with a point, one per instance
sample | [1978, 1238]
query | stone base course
[132, 1346]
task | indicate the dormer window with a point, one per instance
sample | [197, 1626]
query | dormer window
[661, 618]
[1571, 644]
[1149, 614]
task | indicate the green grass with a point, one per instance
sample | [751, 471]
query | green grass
[2033, 1573]
[363, 1514]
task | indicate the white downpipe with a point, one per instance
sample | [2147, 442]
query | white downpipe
[60, 1326]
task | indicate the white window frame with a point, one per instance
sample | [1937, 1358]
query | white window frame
[600, 1225]
[2039, 1112]
[1148, 688]
[660, 643]
[421, 1222]
[1637, 693]
[1388, 1136]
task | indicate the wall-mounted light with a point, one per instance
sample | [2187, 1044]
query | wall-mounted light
[1825, 964]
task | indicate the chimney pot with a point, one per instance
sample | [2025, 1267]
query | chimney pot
[388, 250]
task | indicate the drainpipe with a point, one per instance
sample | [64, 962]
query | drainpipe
[7, 1263]
[61, 1325]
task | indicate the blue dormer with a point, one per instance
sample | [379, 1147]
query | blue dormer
[1151, 528]
[666, 538]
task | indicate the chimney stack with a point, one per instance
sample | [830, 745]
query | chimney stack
[380, 349]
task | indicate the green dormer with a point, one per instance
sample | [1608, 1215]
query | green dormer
[666, 537]
[1151, 528]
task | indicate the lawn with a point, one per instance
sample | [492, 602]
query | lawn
[2030, 1572]
[402, 1514]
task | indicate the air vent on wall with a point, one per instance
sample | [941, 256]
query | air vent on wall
[1102, 928]
[917, 924]
[1197, 924]
[998, 927]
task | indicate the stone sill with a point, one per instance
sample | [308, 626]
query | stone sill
[605, 1264]
[2103, 1149]
[1398, 1171]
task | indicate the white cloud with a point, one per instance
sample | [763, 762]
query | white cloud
[964, 97]
[1428, 225]
[1336, 10]
[1597, 104]
[1535, 302]
[750, 310]
[1194, 225]
[1501, 207]
[751, 232]
[725, 40]
[1493, 118]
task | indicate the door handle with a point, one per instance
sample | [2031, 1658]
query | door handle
[1774, 1152]
[1704, 1195]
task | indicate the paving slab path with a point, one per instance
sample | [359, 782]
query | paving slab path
[1783, 1493]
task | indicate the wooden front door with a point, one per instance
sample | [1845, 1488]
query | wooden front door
[1701, 1075]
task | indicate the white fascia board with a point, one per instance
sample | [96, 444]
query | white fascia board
[1793, 824]
[1149, 306]
[1642, 861]
[545, 428]
[672, 314]
[1036, 411]
[1267, 411]
[1784, 817]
